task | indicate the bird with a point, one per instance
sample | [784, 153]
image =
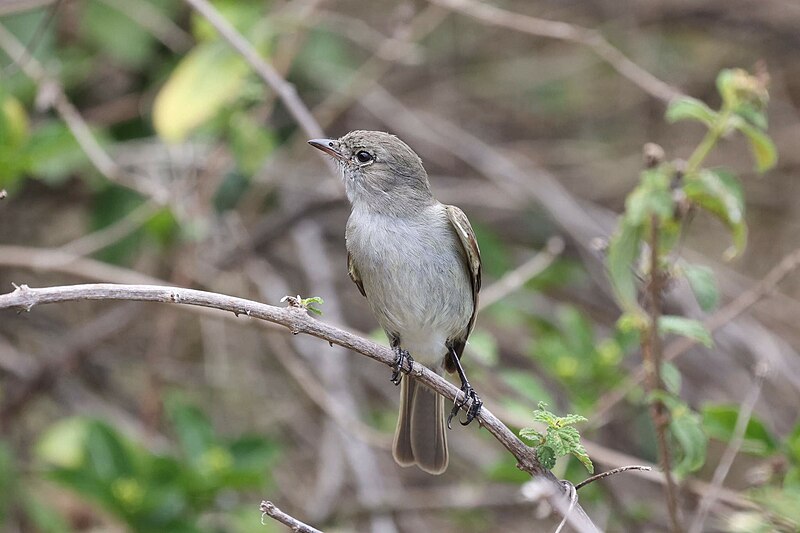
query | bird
[418, 264]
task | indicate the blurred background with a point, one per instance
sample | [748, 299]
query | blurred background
[137, 146]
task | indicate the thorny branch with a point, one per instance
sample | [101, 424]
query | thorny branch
[297, 321]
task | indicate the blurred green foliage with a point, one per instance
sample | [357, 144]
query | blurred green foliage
[145, 490]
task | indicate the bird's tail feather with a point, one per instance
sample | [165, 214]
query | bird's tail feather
[420, 438]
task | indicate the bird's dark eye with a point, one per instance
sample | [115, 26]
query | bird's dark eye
[364, 157]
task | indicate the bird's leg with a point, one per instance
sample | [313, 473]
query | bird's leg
[470, 396]
[401, 357]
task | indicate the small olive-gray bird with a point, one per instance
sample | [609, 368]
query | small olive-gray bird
[418, 264]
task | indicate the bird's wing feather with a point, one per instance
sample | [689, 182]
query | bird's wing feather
[354, 275]
[469, 243]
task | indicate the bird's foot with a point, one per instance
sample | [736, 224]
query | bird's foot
[472, 400]
[401, 358]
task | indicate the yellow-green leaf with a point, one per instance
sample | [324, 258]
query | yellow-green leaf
[206, 79]
[687, 108]
[685, 327]
[623, 251]
[762, 147]
[720, 194]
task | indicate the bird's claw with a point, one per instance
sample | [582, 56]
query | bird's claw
[402, 356]
[471, 398]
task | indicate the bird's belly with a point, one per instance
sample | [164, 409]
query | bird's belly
[418, 287]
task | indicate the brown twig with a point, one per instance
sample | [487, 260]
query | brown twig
[652, 355]
[725, 315]
[269, 509]
[297, 321]
[731, 451]
[607, 473]
[563, 31]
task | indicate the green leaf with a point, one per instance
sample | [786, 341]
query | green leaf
[531, 435]
[704, 285]
[207, 78]
[671, 377]
[762, 147]
[651, 197]
[752, 114]
[720, 194]
[580, 453]
[62, 443]
[688, 108]
[546, 456]
[719, 422]
[193, 428]
[623, 252]
[726, 85]
[686, 427]
[108, 455]
[686, 327]
[116, 34]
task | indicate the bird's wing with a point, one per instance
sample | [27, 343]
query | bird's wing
[472, 253]
[354, 275]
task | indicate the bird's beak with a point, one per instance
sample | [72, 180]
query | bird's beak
[327, 146]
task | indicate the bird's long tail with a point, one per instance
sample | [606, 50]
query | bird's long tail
[420, 438]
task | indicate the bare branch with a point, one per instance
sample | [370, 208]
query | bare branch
[269, 509]
[607, 473]
[297, 321]
[563, 31]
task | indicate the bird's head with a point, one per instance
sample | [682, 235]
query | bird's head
[377, 168]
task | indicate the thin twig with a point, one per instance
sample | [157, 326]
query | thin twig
[513, 280]
[52, 94]
[731, 451]
[150, 18]
[563, 31]
[652, 355]
[722, 317]
[103, 238]
[607, 473]
[323, 399]
[297, 321]
[33, 43]
[285, 90]
[269, 509]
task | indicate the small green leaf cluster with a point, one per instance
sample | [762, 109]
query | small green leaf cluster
[670, 189]
[151, 491]
[559, 439]
[654, 213]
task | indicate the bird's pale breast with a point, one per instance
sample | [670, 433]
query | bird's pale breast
[414, 276]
